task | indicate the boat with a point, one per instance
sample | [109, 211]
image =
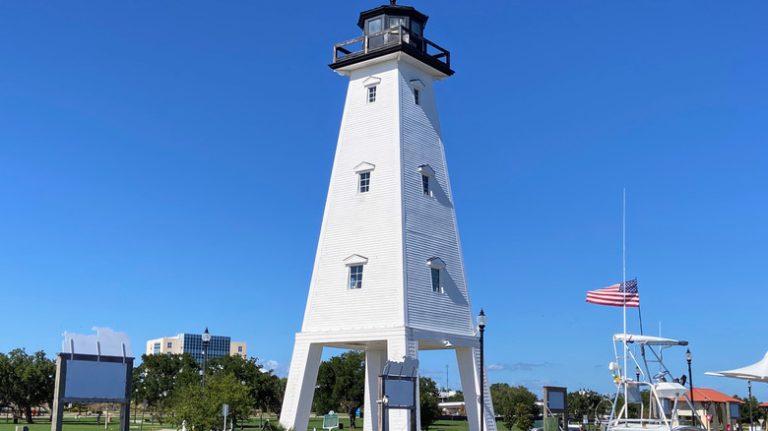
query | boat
[666, 394]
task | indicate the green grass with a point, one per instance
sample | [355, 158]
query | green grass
[84, 424]
[315, 422]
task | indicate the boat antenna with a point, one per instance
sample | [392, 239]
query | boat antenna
[624, 284]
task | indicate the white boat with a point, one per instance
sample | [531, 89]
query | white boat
[665, 393]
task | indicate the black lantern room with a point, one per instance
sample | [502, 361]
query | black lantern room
[388, 29]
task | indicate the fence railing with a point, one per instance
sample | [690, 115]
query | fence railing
[391, 37]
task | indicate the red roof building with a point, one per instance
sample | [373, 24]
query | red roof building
[712, 396]
[713, 408]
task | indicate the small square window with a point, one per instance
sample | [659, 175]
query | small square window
[169, 345]
[356, 276]
[240, 349]
[436, 280]
[371, 94]
[416, 96]
[365, 182]
[425, 185]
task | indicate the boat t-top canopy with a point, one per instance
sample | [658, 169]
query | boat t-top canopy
[648, 340]
[757, 372]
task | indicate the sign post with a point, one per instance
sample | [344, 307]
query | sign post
[398, 386]
[100, 372]
[225, 412]
[555, 402]
[331, 421]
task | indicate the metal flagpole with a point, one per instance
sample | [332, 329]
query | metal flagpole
[624, 287]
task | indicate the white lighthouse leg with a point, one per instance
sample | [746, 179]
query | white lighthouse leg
[469, 370]
[398, 349]
[470, 385]
[300, 388]
[374, 364]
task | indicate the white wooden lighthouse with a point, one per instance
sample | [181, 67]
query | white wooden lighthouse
[388, 275]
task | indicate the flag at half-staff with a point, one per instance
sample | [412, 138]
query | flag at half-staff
[616, 295]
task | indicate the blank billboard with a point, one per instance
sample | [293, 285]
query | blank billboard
[95, 380]
[400, 393]
[556, 400]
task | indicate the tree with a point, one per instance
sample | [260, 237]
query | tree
[516, 404]
[429, 397]
[159, 375]
[5, 381]
[30, 381]
[589, 403]
[744, 409]
[201, 406]
[341, 384]
[265, 389]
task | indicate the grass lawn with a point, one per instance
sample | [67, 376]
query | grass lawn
[315, 422]
[84, 424]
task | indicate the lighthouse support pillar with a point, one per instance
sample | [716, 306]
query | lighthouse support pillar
[374, 365]
[300, 390]
[470, 385]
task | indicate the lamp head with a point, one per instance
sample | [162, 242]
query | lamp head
[688, 355]
[206, 335]
[481, 319]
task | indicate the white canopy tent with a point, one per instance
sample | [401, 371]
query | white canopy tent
[757, 372]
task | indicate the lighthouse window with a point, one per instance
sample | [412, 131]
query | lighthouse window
[436, 280]
[356, 276]
[374, 26]
[365, 182]
[416, 95]
[396, 21]
[371, 94]
[416, 28]
[425, 185]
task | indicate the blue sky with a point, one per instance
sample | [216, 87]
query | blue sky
[163, 167]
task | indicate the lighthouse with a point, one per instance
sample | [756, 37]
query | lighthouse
[388, 277]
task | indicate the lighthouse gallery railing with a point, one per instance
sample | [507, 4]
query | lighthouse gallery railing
[400, 35]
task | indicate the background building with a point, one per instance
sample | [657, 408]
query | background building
[714, 409]
[193, 344]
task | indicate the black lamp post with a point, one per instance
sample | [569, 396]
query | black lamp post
[206, 340]
[689, 358]
[749, 400]
[637, 373]
[481, 321]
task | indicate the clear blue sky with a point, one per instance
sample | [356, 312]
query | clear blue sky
[163, 167]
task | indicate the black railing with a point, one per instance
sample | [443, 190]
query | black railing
[400, 35]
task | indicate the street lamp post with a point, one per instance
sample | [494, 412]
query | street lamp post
[206, 340]
[481, 321]
[689, 358]
[749, 400]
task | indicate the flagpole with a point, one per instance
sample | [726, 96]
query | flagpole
[624, 285]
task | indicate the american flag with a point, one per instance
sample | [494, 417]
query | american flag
[616, 295]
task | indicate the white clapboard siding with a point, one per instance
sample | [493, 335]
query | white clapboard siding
[394, 225]
[366, 224]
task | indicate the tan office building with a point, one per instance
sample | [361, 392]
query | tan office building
[193, 344]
